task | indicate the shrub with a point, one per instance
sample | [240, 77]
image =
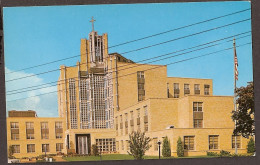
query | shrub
[139, 144]
[212, 154]
[95, 150]
[166, 148]
[251, 146]
[224, 153]
[10, 152]
[180, 150]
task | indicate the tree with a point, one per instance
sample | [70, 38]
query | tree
[244, 116]
[180, 150]
[10, 151]
[251, 146]
[166, 148]
[95, 150]
[139, 144]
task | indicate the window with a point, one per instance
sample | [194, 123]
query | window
[117, 145]
[141, 85]
[206, 89]
[238, 141]
[213, 142]
[127, 145]
[186, 88]
[126, 117]
[197, 123]
[58, 124]
[14, 125]
[197, 89]
[44, 130]
[58, 130]
[138, 112]
[30, 148]
[59, 147]
[29, 130]
[29, 136]
[45, 148]
[122, 144]
[197, 106]
[132, 115]
[145, 111]
[176, 90]
[14, 131]
[168, 92]
[189, 142]
[16, 148]
[145, 127]
[106, 145]
[29, 125]
[72, 103]
[155, 144]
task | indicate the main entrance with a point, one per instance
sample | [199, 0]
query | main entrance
[83, 144]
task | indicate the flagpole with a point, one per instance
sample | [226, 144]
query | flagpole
[235, 86]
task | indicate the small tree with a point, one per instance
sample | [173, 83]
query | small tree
[251, 146]
[95, 150]
[139, 144]
[166, 148]
[10, 151]
[180, 150]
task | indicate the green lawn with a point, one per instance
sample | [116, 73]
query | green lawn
[120, 157]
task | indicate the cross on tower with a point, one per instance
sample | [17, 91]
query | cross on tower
[92, 21]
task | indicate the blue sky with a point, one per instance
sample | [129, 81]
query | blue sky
[35, 35]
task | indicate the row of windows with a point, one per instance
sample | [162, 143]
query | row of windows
[187, 89]
[213, 141]
[131, 123]
[30, 130]
[31, 148]
[30, 125]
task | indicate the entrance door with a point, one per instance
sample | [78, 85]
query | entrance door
[82, 145]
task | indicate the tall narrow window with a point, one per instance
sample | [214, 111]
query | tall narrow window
[206, 89]
[141, 84]
[168, 92]
[58, 130]
[73, 108]
[213, 142]
[16, 148]
[197, 106]
[29, 130]
[197, 115]
[126, 123]
[186, 89]
[176, 90]
[44, 130]
[59, 147]
[122, 144]
[30, 148]
[145, 119]
[189, 142]
[121, 124]
[138, 120]
[14, 131]
[132, 121]
[234, 141]
[45, 148]
[196, 89]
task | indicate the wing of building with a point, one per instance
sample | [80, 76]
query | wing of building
[107, 96]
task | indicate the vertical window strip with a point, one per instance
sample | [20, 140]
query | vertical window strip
[73, 108]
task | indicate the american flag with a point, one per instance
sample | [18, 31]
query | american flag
[236, 63]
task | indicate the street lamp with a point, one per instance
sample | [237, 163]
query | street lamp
[159, 145]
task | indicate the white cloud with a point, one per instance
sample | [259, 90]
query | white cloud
[44, 105]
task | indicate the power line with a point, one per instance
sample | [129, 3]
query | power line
[145, 46]
[157, 34]
[38, 87]
[163, 65]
